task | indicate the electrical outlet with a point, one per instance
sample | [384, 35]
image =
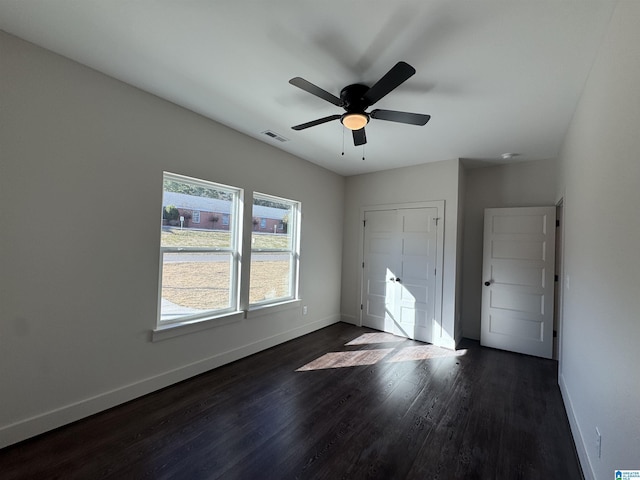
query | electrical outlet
[304, 310]
[598, 443]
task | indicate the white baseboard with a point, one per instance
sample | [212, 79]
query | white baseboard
[23, 429]
[578, 437]
[352, 319]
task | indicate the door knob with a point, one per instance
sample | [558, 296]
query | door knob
[486, 284]
[398, 280]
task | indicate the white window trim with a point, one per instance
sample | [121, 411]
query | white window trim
[171, 330]
[260, 310]
[177, 329]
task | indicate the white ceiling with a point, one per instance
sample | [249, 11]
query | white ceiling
[496, 76]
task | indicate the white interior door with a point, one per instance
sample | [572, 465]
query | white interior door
[518, 279]
[399, 271]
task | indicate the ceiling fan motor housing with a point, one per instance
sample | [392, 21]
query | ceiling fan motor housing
[352, 97]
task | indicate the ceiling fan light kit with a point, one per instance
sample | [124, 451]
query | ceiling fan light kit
[354, 121]
[356, 98]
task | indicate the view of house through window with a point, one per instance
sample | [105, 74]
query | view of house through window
[274, 250]
[199, 249]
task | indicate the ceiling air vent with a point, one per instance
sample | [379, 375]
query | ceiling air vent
[275, 136]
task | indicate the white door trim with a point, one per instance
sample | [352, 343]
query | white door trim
[559, 298]
[440, 206]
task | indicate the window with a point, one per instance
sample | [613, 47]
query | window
[263, 223]
[225, 219]
[274, 255]
[200, 268]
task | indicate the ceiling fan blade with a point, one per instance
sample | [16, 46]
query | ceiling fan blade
[315, 90]
[319, 121]
[398, 74]
[359, 137]
[400, 117]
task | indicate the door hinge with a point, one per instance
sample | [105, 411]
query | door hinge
[556, 278]
[362, 264]
[555, 333]
[364, 223]
[361, 307]
[557, 223]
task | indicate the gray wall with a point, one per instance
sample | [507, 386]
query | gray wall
[432, 181]
[81, 193]
[600, 165]
[525, 184]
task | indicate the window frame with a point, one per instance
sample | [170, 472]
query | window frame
[293, 229]
[234, 249]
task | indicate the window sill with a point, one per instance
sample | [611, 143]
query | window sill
[183, 328]
[260, 310]
[172, 330]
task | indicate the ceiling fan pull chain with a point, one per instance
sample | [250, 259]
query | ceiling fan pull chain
[343, 141]
[363, 153]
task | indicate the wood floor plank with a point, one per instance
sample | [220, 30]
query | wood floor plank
[343, 402]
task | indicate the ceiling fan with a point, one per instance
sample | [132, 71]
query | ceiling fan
[356, 98]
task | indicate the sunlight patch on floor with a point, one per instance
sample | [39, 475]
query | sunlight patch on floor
[378, 337]
[398, 353]
[346, 359]
[423, 352]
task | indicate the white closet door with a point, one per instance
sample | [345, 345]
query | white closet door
[399, 274]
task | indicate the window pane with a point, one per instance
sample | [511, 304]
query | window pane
[195, 216]
[189, 237]
[270, 276]
[273, 229]
[194, 283]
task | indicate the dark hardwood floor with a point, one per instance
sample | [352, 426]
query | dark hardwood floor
[343, 402]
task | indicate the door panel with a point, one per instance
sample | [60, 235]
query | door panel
[526, 276]
[418, 257]
[517, 327]
[503, 299]
[378, 293]
[518, 224]
[514, 249]
[518, 270]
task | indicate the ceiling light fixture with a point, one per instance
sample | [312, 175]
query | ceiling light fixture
[354, 121]
[509, 156]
